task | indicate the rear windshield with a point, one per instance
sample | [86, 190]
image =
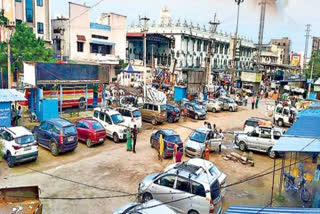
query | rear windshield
[214, 171]
[136, 113]
[96, 126]
[174, 138]
[215, 190]
[163, 107]
[25, 139]
[69, 130]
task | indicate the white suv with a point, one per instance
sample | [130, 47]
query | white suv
[18, 145]
[132, 116]
[112, 122]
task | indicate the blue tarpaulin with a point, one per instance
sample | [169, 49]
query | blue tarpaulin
[11, 95]
[303, 136]
[311, 112]
[270, 210]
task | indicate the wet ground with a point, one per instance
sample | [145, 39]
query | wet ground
[109, 170]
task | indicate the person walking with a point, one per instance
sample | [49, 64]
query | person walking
[207, 152]
[257, 101]
[13, 115]
[209, 125]
[253, 101]
[19, 116]
[129, 140]
[134, 136]
[161, 146]
[222, 137]
[185, 114]
[175, 151]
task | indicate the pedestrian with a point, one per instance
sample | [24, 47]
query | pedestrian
[19, 115]
[209, 125]
[185, 114]
[134, 136]
[246, 100]
[215, 131]
[222, 137]
[161, 146]
[129, 140]
[175, 150]
[179, 156]
[13, 115]
[158, 149]
[257, 101]
[207, 152]
[253, 101]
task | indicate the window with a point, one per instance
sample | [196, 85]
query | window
[97, 126]
[18, 0]
[101, 49]
[95, 114]
[18, 21]
[145, 106]
[285, 111]
[99, 37]
[58, 44]
[40, 3]
[198, 189]
[156, 108]
[79, 125]
[29, 10]
[69, 130]
[6, 135]
[44, 126]
[183, 184]
[80, 46]
[266, 133]
[126, 113]
[108, 119]
[101, 116]
[167, 181]
[150, 107]
[40, 27]
[25, 139]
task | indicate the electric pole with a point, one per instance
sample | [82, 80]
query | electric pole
[10, 27]
[305, 56]
[311, 75]
[261, 30]
[145, 29]
[238, 2]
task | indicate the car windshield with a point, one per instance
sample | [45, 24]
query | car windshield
[117, 118]
[136, 113]
[230, 100]
[174, 138]
[198, 136]
[196, 107]
[69, 130]
[96, 126]
[214, 171]
[25, 139]
[163, 107]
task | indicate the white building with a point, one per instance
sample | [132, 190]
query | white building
[77, 39]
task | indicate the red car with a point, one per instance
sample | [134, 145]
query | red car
[90, 131]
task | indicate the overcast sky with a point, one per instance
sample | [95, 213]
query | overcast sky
[283, 18]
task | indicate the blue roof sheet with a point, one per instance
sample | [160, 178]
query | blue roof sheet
[310, 112]
[11, 95]
[100, 26]
[270, 210]
[306, 126]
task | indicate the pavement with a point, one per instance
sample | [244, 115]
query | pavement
[108, 170]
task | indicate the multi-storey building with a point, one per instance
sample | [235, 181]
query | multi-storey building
[76, 38]
[283, 43]
[9, 12]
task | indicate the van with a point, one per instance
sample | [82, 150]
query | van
[154, 113]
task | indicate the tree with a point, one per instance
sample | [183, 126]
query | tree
[25, 47]
[316, 66]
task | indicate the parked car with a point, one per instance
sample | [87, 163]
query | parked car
[170, 137]
[284, 115]
[194, 111]
[201, 103]
[57, 135]
[262, 139]
[196, 142]
[154, 113]
[214, 105]
[173, 113]
[18, 145]
[199, 185]
[113, 123]
[253, 122]
[149, 207]
[131, 116]
[208, 166]
[90, 131]
[228, 104]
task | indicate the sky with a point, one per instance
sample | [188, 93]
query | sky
[284, 18]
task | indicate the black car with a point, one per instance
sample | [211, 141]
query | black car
[173, 113]
[194, 111]
[170, 137]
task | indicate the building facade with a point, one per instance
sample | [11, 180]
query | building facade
[9, 12]
[77, 39]
[283, 43]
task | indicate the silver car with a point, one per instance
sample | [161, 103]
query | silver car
[186, 187]
[228, 104]
[214, 105]
[149, 207]
[196, 142]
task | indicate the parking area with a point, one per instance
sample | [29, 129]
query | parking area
[110, 172]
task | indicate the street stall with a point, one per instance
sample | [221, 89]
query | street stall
[302, 143]
[8, 97]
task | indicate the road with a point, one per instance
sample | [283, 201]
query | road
[109, 170]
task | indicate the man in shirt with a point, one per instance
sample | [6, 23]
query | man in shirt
[134, 137]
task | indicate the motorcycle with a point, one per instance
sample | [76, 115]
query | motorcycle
[291, 185]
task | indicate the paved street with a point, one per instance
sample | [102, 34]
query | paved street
[111, 167]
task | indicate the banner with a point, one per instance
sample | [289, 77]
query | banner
[295, 59]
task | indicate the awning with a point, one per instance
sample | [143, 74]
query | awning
[270, 210]
[102, 43]
[129, 69]
[11, 95]
[81, 38]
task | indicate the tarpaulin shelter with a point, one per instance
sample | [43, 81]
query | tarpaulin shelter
[270, 210]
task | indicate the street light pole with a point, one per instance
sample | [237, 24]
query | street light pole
[238, 2]
[145, 19]
[311, 75]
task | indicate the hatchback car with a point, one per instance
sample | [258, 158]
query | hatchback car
[200, 185]
[228, 104]
[173, 113]
[170, 137]
[18, 145]
[149, 207]
[214, 105]
[194, 111]
[201, 103]
[90, 131]
[154, 113]
[57, 135]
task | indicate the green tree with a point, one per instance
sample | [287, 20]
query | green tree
[25, 47]
[316, 66]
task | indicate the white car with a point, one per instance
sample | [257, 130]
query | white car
[132, 116]
[113, 123]
[214, 105]
[18, 145]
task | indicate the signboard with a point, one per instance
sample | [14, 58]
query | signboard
[310, 81]
[295, 59]
[251, 76]
[317, 88]
[5, 114]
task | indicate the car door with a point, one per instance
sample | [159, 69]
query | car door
[85, 130]
[155, 139]
[5, 140]
[79, 127]
[251, 140]
[286, 115]
[108, 125]
[42, 134]
[265, 140]
[180, 194]
[144, 111]
[164, 186]
[199, 201]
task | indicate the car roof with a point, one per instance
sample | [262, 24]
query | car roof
[129, 108]
[257, 119]
[89, 120]
[60, 122]
[203, 130]
[107, 110]
[169, 131]
[19, 131]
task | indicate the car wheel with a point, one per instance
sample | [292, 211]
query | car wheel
[154, 122]
[115, 138]
[193, 212]
[146, 197]
[54, 149]
[89, 143]
[151, 144]
[82, 103]
[214, 110]
[10, 160]
[272, 154]
[170, 120]
[242, 146]
[280, 123]
[196, 117]
[230, 109]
